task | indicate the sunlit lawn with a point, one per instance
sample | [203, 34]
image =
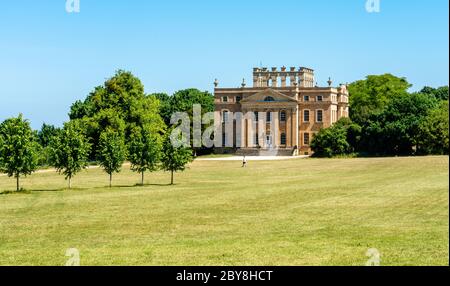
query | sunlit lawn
[295, 212]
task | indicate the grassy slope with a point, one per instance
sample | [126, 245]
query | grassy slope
[297, 212]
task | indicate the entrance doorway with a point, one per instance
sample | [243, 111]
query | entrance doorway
[269, 141]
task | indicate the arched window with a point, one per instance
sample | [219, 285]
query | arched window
[283, 139]
[269, 99]
[283, 116]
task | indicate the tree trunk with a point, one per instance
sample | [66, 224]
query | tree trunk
[171, 178]
[110, 180]
[70, 182]
[17, 182]
[142, 179]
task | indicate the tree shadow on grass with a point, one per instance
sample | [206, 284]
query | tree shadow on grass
[105, 188]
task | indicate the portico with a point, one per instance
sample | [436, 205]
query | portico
[269, 121]
[282, 111]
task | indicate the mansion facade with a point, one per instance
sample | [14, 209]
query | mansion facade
[280, 114]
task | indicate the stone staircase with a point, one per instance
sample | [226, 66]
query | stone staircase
[265, 152]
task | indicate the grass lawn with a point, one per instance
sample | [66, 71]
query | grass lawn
[294, 212]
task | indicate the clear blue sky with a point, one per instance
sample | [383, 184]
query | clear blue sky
[49, 58]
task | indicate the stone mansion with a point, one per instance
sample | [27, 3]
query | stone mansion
[279, 115]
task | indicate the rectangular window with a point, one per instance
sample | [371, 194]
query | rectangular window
[283, 139]
[225, 99]
[306, 116]
[306, 138]
[269, 116]
[319, 98]
[283, 116]
[306, 98]
[238, 99]
[319, 116]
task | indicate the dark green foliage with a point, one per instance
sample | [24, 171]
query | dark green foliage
[395, 130]
[434, 131]
[120, 104]
[440, 93]
[184, 101]
[336, 140]
[46, 133]
[372, 95]
[18, 148]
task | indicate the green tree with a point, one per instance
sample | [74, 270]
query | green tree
[165, 106]
[120, 104]
[112, 152]
[334, 141]
[69, 151]
[175, 159]
[433, 135]
[18, 148]
[372, 95]
[440, 93]
[395, 130]
[184, 101]
[144, 150]
[46, 133]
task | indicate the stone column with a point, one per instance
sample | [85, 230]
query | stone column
[261, 129]
[250, 131]
[275, 128]
[218, 129]
[288, 128]
[240, 130]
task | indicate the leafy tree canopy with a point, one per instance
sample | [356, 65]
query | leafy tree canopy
[69, 150]
[434, 131]
[394, 131]
[112, 152]
[174, 159]
[18, 148]
[440, 93]
[144, 150]
[371, 95]
[120, 104]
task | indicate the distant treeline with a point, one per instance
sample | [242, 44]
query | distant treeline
[387, 120]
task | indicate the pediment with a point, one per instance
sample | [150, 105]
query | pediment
[262, 96]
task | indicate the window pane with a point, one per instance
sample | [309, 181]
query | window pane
[283, 139]
[319, 115]
[306, 116]
[306, 138]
